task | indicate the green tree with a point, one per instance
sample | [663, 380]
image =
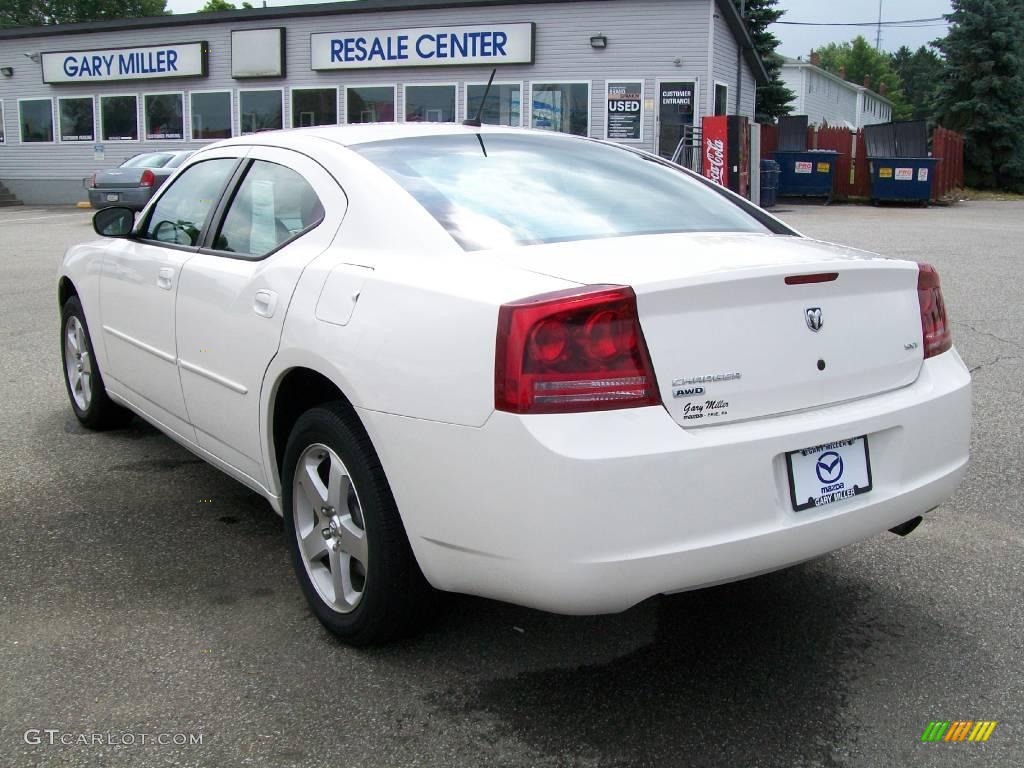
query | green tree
[773, 99]
[982, 93]
[22, 13]
[858, 59]
[920, 73]
[221, 5]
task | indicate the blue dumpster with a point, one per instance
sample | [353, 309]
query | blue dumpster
[902, 178]
[769, 182]
[806, 174]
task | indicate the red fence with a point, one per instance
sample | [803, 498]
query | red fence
[948, 146]
[852, 178]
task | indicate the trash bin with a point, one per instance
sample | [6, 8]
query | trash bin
[769, 182]
[902, 178]
[806, 174]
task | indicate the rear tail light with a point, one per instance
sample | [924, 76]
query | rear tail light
[92, 180]
[572, 351]
[148, 179]
[934, 324]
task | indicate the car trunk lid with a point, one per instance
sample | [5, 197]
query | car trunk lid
[731, 339]
[119, 178]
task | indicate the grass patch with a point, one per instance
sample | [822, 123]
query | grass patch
[988, 194]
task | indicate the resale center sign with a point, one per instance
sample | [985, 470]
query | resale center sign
[423, 47]
[109, 64]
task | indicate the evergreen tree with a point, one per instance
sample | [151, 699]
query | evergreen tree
[773, 99]
[920, 72]
[982, 93]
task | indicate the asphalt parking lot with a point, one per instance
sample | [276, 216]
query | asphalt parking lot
[143, 592]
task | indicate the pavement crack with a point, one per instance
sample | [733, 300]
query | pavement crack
[997, 360]
[991, 335]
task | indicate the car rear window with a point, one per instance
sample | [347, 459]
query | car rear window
[497, 189]
[178, 159]
[148, 160]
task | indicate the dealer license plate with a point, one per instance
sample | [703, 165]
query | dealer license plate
[829, 473]
[112, 198]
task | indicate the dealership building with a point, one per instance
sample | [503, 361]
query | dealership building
[76, 98]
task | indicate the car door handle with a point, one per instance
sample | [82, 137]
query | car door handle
[165, 278]
[264, 303]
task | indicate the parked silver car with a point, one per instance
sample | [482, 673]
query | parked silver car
[132, 183]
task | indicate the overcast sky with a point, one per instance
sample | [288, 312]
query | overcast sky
[796, 41]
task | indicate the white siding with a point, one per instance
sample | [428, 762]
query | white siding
[874, 110]
[827, 99]
[726, 49]
[645, 38]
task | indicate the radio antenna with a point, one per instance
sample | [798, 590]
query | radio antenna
[475, 122]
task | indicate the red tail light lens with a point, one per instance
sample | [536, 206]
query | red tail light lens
[148, 179]
[92, 180]
[938, 337]
[572, 351]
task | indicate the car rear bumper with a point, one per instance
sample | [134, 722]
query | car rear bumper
[130, 197]
[592, 513]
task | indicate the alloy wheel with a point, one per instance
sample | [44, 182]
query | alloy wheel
[330, 528]
[78, 363]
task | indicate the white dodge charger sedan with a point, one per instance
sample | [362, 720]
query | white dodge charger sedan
[548, 370]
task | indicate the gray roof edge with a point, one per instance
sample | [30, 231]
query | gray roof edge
[742, 34]
[256, 14]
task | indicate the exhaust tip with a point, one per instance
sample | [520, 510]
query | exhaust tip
[905, 528]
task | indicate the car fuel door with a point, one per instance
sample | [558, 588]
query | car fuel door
[233, 295]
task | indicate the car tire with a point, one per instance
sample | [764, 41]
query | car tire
[349, 548]
[82, 378]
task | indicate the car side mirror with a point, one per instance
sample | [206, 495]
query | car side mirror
[114, 222]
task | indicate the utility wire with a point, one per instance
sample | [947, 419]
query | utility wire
[922, 22]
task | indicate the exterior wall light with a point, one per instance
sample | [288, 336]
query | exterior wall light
[7, 71]
[599, 41]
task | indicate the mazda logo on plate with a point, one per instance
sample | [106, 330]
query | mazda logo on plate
[829, 467]
[813, 315]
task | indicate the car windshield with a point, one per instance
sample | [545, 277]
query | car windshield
[148, 160]
[498, 189]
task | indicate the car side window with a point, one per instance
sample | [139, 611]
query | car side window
[181, 212]
[273, 204]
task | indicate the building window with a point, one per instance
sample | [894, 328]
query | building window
[3, 136]
[211, 115]
[721, 99]
[430, 103]
[36, 119]
[273, 205]
[165, 116]
[77, 119]
[503, 106]
[370, 104]
[314, 106]
[119, 118]
[260, 111]
[563, 107]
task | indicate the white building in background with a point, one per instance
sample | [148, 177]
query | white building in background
[78, 97]
[828, 98]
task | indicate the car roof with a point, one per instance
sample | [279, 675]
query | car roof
[351, 135]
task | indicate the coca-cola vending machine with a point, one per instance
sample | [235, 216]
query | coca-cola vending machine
[726, 158]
